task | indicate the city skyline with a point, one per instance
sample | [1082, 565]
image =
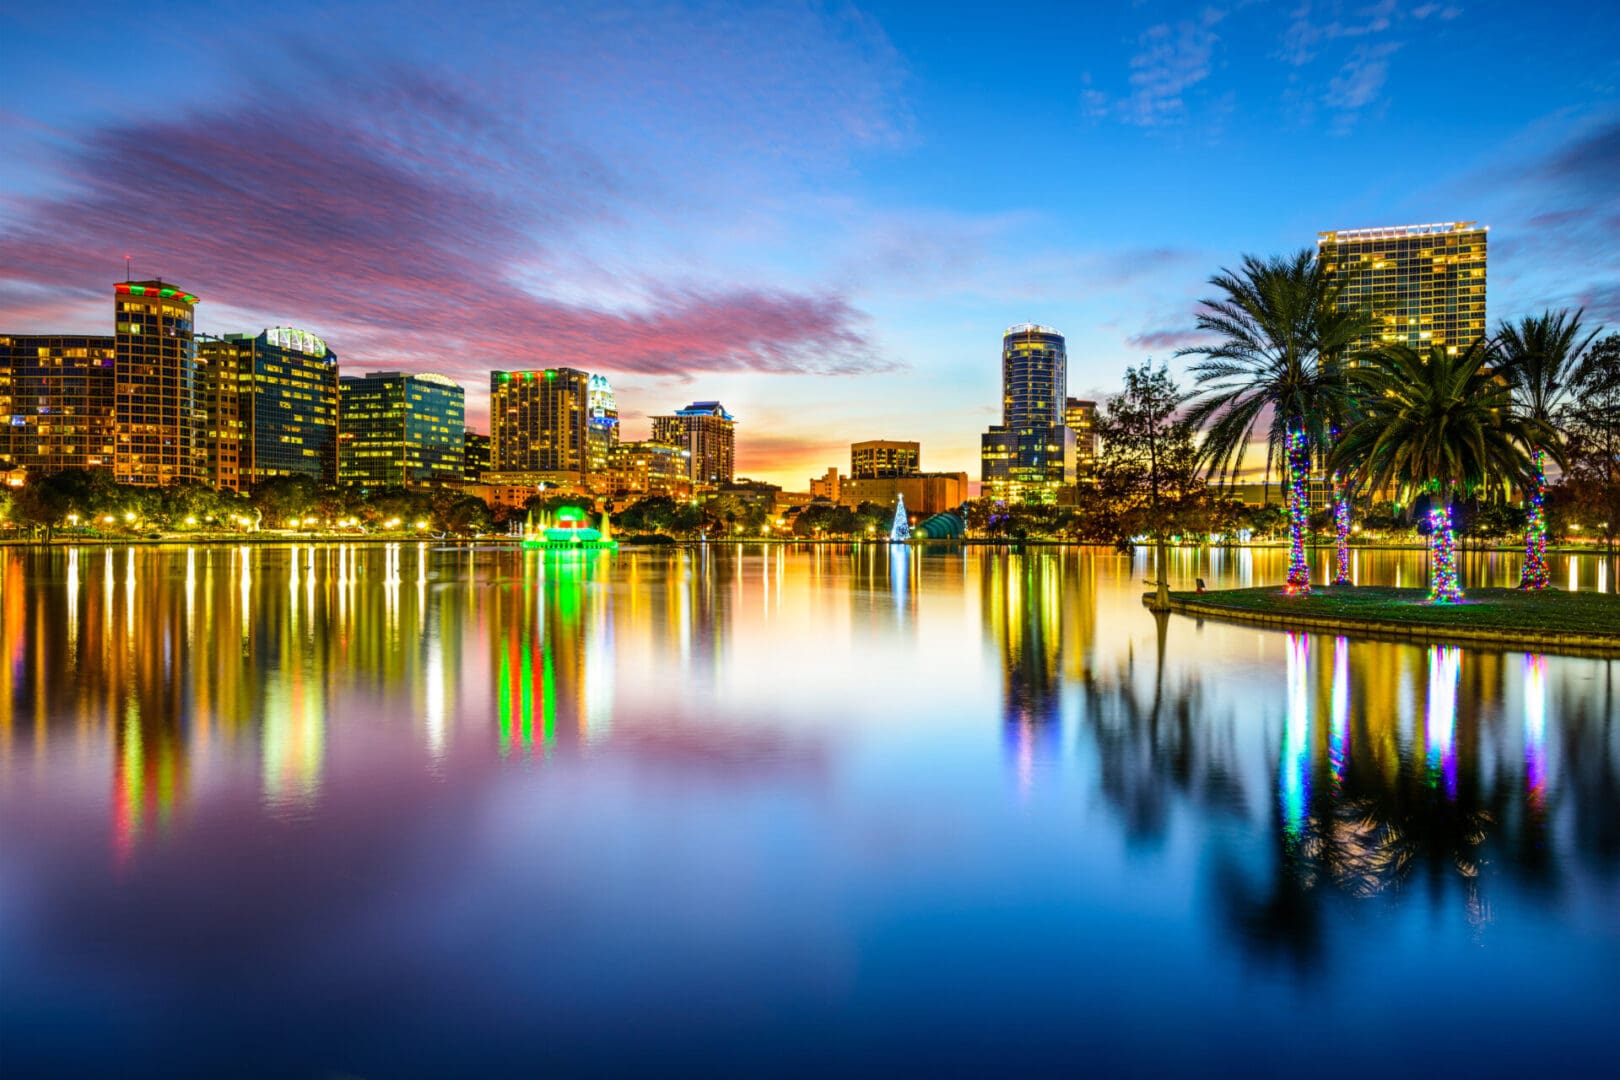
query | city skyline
[842, 216]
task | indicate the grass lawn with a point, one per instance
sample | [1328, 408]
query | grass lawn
[1507, 610]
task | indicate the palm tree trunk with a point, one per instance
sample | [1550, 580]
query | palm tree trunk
[1299, 511]
[1534, 573]
[1341, 521]
[1444, 586]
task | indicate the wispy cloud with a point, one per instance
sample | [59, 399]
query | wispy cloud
[1171, 59]
[1359, 82]
[1309, 29]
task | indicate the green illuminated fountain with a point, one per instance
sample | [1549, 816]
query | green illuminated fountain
[567, 529]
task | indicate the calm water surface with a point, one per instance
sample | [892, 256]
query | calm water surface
[380, 811]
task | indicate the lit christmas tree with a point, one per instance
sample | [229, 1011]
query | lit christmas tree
[1444, 587]
[900, 531]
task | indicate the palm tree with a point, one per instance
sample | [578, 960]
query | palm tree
[1279, 361]
[1437, 422]
[1542, 360]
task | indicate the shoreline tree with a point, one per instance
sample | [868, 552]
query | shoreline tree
[1278, 364]
[1439, 424]
[1544, 360]
[1148, 470]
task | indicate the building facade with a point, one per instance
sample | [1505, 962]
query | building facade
[826, 486]
[925, 493]
[57, 402]
[474, 456]
[879, 458]
[1030, 455]
[400, 429]
[708, 434]
[1423, 284]
[1080, 417]
[539, 422]
[644, 468]
[272, 407]
[159, 413]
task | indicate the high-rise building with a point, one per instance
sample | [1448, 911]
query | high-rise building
[539, 422]
[272, 407]
[601, 424]
[1080, 417]
[474, 456]
[398, 428]
[158, 400]
[882, 458]
[1423, 284]
[56, 402]
[1030, 455]
[708, 434]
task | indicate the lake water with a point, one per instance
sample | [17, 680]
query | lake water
[412, 810]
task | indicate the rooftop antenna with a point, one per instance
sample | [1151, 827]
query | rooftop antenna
[126, 269]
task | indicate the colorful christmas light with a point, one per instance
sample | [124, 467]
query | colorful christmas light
[1535, 574]
[1299, 509]
[1443, 585]
[1341, 522]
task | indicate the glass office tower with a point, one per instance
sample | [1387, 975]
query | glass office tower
[272, 407]
[397, 428]
[1030, 455]
[1423, 284]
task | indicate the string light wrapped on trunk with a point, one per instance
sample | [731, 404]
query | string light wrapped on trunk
[1443, 585]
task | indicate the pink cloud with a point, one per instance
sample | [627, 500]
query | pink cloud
[386, 235]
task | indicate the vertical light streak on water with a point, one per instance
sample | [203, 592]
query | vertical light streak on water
[129, 589]
[292, 590]
[1535, 730]
[107, 609]
[899, 574]
[1445, 667]
[433, 694]
[421, 588]
[504, 696]
[1339, 739]
[1602, 575]
[391, 594]
[129, 775]
[1294, 778]
[191, 597]
[1574, 578]
[247, 588]
[73, 605]
[1355, 568]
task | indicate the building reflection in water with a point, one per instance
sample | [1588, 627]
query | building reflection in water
[1039, 611]
[1363, 772]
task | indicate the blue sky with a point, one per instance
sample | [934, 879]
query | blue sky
[823, 215]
